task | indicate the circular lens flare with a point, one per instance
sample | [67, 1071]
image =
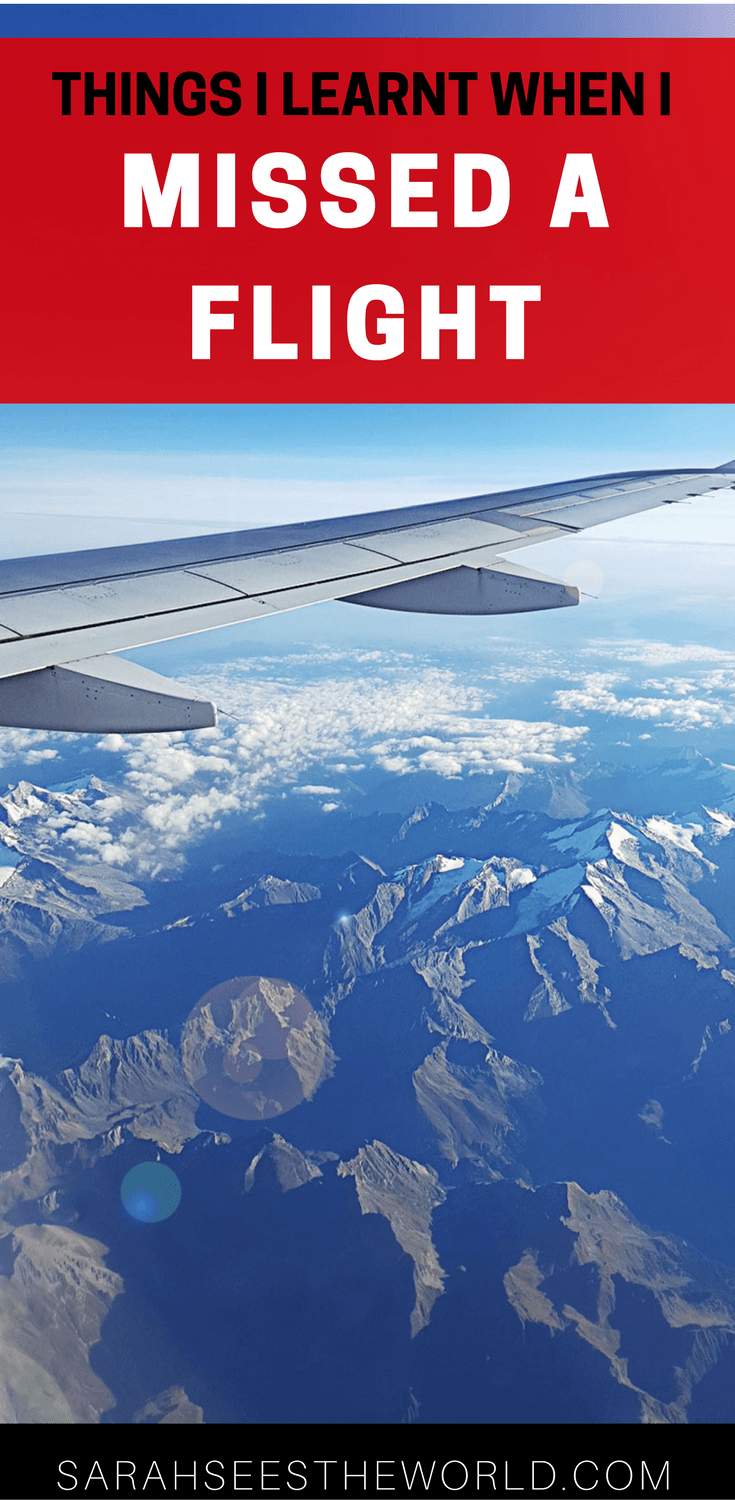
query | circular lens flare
[254, 1048]
[150, 1192]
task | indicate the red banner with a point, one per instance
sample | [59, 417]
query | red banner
[367, 220]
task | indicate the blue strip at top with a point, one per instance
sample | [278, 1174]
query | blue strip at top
[368, 20]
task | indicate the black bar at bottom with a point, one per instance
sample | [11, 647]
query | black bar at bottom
[218, 1462]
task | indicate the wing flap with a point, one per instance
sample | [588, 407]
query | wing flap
[473, 591]
[101, 695]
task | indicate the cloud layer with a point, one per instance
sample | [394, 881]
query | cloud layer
[311, 731]
[313, 725]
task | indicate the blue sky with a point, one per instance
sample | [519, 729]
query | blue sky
[298, 428]
[89, 475]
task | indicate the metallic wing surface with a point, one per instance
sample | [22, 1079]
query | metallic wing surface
[61, 616]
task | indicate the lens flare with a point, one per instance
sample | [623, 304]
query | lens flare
[254, 1048]
[150, 1192]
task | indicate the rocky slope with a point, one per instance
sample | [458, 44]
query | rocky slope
[531, 1017]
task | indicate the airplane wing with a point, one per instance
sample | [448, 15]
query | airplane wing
[61, 615]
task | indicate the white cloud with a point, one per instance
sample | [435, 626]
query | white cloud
[315, 791]
[30, 745]
[114, 744]
[656, 653]
[443, 762]
[87, 836]
[176, 818]
[675, 712]
[721, 681]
